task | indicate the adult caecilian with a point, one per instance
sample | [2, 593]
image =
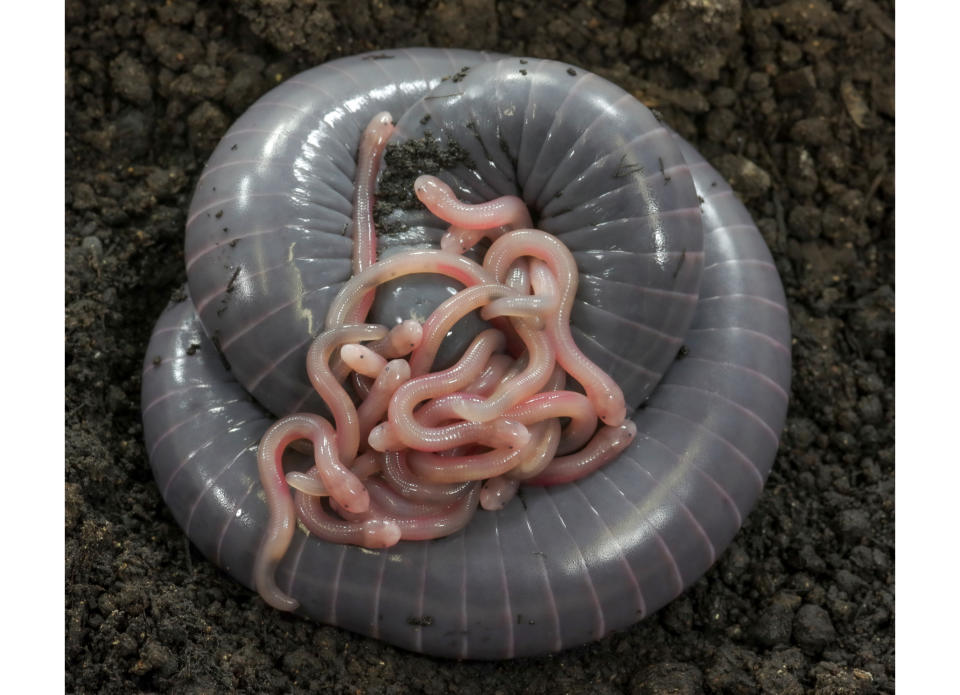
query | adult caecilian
[674, 278]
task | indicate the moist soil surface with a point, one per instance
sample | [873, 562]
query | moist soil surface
[793, 102]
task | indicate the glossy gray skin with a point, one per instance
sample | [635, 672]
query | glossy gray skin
[561, 565]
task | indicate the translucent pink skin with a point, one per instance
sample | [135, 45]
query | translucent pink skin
[507, 211]
[398, 474]
[451, 469]
[544, 438]
[370, 155]
[606, 396]
[399, 342]
[491, 376]
[532, 458]
[362, 360]
[604, 447]
[443, 318]
[518, 276]
[556, 404]
[460, 240]
[439, 198]
[539, 368]
[496, 492]
[570, 404]
[409, 430]
[499, 433]
[518, 304]
[543, 435]
[363, 467]
[541, 282]
[416, 520]
[536, 454]
[469, 223]
[374, 532]
[547, 434]
[375, 403]
[540, 352]
[402, 339]
[325, 383]
[531, 308]
[339, 481]
[429, 521]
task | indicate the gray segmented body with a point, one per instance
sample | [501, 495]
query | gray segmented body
[563, 565]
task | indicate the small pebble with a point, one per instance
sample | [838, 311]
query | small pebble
[83, 196]
[775, 625]
[853, 525]
[746, 178]
[811, 131]
[130, 79]
[813, 629]
[796, 82]
[155, 656]
[94, 249]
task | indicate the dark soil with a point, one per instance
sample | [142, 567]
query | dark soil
[793, 101]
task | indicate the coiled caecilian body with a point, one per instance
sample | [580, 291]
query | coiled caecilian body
[678, 300]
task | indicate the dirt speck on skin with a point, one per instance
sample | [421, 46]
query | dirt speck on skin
[794, 100]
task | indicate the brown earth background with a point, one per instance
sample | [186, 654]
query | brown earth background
[793, 102]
